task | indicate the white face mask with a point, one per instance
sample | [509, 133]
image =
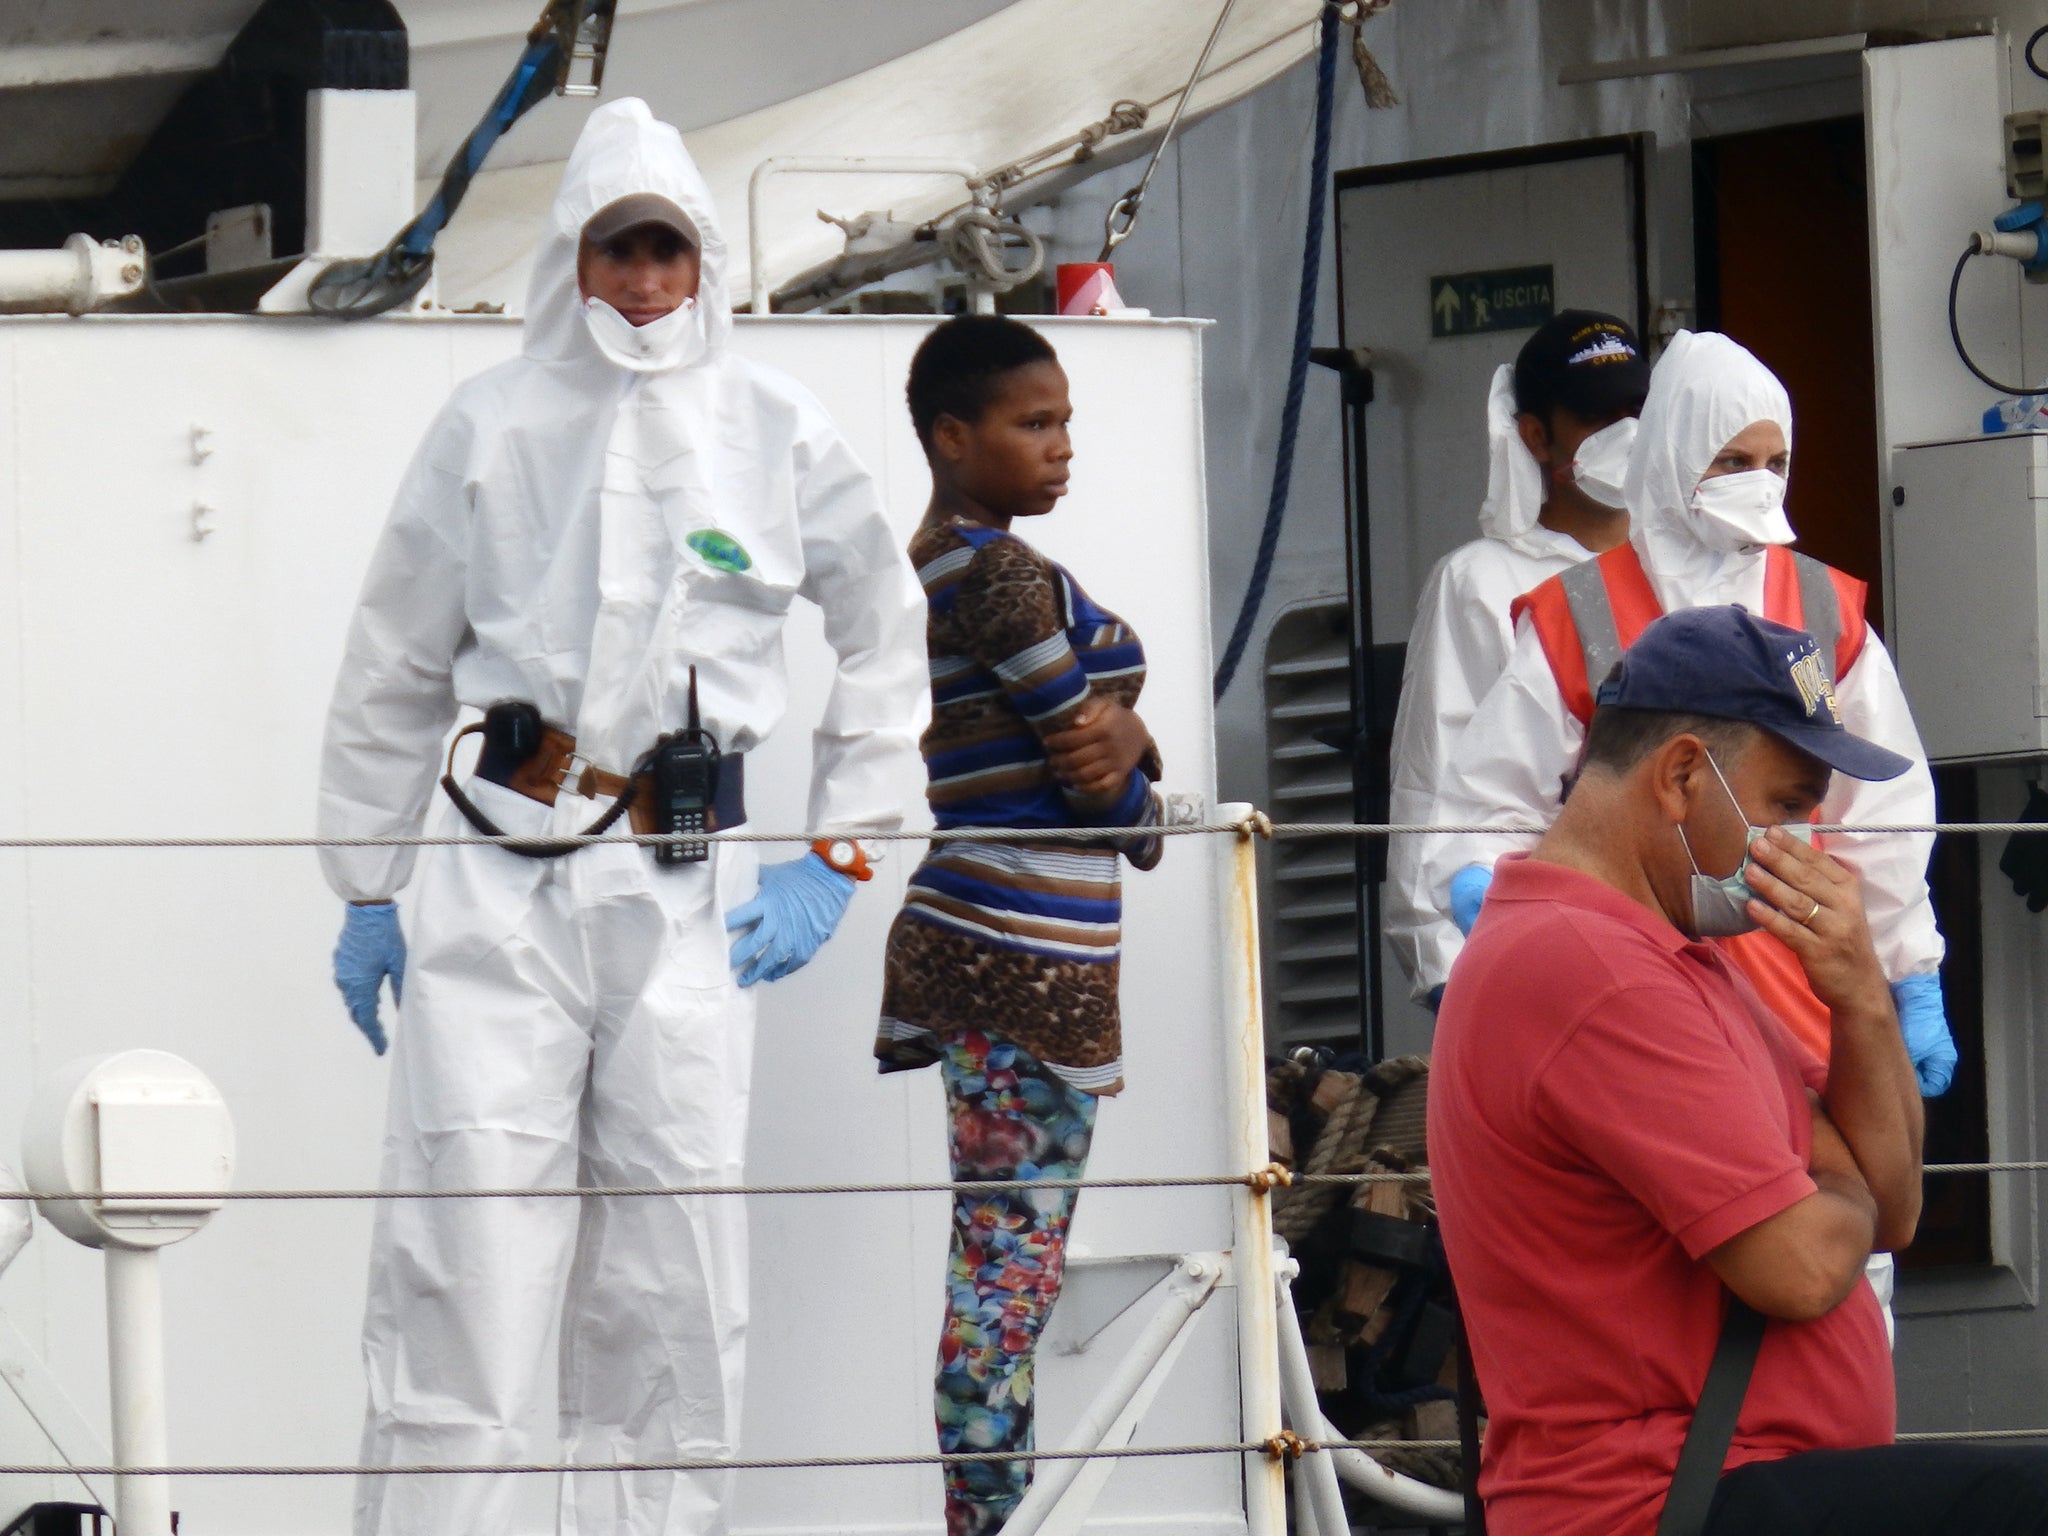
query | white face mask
[656, 347]
[1742, 511]
[1720, 903]
[1601, 464]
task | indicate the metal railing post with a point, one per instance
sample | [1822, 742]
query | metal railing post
[1258, 1335]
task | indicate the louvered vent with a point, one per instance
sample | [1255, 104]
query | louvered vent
[1310, 900]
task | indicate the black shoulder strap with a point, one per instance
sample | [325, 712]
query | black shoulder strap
[1713, 1422]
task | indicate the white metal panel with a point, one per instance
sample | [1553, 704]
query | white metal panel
[359, 156]
[1933, 114]
[163, 684]
[1970, 538]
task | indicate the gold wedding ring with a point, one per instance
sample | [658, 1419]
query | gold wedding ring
[1807, 921]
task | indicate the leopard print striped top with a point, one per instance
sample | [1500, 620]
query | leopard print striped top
[1019, 939]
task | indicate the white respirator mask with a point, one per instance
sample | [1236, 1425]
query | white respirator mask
[1742, 511]
[656, 347]
[1720, 903]
[1601, 464]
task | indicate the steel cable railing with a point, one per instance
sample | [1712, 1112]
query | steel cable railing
[1284, 1446]
[1256, 825]
[1262, 1179]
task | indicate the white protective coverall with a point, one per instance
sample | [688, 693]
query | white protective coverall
[575, 1021]
[1509, 765]
[1460, 643]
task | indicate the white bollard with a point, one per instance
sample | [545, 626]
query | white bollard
[147, 1122]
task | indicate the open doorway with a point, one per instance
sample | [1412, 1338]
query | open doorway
[1782, 245]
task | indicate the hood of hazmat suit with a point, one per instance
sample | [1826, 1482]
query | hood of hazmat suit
[1705, 389]
[1458, 646]
[587, 521]
[1514, 480]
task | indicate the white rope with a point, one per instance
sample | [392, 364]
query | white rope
[977, 241]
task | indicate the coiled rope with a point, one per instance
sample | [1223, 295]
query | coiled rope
[978, 241]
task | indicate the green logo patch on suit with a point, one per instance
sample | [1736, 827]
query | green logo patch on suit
[719, 550]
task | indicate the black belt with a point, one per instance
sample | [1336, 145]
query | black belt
[540, 762]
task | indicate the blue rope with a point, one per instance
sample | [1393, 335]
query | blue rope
[531, 79]
[356, 290]
[1297, 368]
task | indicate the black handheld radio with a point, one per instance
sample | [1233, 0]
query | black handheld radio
[684, 768]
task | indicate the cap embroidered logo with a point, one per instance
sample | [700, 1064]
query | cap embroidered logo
[1609, 348]
[1815, 687]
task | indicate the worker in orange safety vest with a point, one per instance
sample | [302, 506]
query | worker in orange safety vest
[1706, 492]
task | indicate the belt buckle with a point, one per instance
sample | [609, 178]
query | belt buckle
[575, 775]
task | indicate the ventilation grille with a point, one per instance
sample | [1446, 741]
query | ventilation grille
[1310, 910]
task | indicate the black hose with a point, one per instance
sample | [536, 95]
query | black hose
[1955, 331]
[2028, 52]
[1297, 369]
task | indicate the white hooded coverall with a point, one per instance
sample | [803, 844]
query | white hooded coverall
[575, 1021]
[1510, 763]
[1460, 643]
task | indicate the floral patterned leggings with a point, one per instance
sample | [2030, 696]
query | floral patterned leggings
[1011, 1117]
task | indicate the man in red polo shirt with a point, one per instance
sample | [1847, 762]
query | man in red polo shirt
[1622, 1134]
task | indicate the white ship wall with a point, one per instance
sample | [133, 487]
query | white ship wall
[156, 684]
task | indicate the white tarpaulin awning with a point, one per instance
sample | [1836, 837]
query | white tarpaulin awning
[1025, 77]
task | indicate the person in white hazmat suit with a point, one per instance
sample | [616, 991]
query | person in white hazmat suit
[583, 525]
[1706, 490]
[1570, 396]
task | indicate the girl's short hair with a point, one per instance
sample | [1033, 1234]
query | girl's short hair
[958, 370]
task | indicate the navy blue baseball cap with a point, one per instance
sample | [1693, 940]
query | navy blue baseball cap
[1728, 664]
[1589, 363]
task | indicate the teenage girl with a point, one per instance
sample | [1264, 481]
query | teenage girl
[1002, 965]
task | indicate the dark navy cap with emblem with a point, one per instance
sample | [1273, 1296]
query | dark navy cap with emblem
[1587, 362]
[1728, 664]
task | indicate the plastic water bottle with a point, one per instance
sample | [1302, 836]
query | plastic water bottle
[2018, 413]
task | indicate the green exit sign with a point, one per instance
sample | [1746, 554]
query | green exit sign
[1472, 303]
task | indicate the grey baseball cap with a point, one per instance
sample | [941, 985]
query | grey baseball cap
[622, 214]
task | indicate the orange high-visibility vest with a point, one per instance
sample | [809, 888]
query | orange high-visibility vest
[1587, 616]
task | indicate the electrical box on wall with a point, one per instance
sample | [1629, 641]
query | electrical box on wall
[1969, 623]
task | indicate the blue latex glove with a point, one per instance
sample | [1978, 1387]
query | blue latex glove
[1468, 890]
[1924, 1020]
[371, 948]
[794, 912]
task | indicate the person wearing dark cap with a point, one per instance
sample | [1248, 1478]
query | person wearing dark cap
[1560, 420]
[1626, 1143]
